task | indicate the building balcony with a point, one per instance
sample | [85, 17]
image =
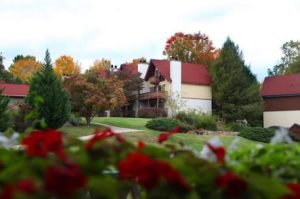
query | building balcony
[154, 80]
[153, 95]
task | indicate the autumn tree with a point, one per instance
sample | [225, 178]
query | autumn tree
[92, 94]
[55, 107]
[24, 67]
[191, 48]
[103, 64]
[65, 65]
[290, 60]
[235, 88]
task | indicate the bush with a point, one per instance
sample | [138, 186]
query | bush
[186, 117]
[152, 112]
[162, 124]
[205, 121]
[74, 120]
[257, 134]
[20, 123]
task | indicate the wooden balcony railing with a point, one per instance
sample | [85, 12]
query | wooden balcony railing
[153, 95]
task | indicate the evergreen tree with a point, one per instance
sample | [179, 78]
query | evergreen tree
[55, 107]
[235, 88]
[4, 119]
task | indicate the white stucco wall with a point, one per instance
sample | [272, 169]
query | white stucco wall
[281, 118]
[142, 68]
[202, 105]
[175, 74]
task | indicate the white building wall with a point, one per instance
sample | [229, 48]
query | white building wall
[175, 87]
[142, 68]
[281, 118]
[201, 105]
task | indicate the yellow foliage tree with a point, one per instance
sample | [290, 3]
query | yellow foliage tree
[65, 65]
[23, 69]
[103, 64]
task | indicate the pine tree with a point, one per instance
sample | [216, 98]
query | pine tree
[235, 88]
[55, 107]
[4, 119]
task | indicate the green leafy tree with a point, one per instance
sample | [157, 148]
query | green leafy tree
[55, 107]
[290, 60]
[4, 119]
[235, 89]
[5, 75]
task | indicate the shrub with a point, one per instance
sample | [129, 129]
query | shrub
[205, 121]
[152, 112]
[186, 117]
[257, 134]
[20, 123]
[74, 120]
[162, 124]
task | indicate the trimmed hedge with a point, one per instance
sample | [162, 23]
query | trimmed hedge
[197, 120]
[257, 134]
[162, 124]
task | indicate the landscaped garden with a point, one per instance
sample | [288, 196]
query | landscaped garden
[192, 155]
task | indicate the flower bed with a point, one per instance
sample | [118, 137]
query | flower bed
[107, 166]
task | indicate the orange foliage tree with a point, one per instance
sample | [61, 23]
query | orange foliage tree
[92, 94]
[65, 65]
[103, 64]
[191, 48]
[23, 69]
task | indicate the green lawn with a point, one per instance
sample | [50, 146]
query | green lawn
[133, 123]
[77, 131]
[150, 136]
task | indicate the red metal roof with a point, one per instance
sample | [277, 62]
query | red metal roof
[132, 67]
[190, 73]
[14, 90]
[281, 85]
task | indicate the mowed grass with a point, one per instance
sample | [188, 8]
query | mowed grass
[151, 136]
[82, 130]
[126, 122]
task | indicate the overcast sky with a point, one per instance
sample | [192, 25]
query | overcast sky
[121, 30]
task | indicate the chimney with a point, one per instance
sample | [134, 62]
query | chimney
[175, 75]
[142, 68]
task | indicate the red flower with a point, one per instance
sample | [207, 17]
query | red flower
[147, 172]
[40, 143]
[140, 144]
[26, 186]
[165, 136]
[64, 180]
[295, 189]
[23, 186]
[8, 192]
[219, 152]
[99, 136]
[232, 185]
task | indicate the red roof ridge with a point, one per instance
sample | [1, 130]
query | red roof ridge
[191, 73]
[281, 85]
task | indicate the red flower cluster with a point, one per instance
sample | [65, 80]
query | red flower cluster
[165, 136]
[232, 185]
[40, 143]
[25, 186]
[99, 136]
[219, 152]
[148, 172]
[295, 189]
[65, 179]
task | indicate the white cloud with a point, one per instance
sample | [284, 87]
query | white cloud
[121, 30]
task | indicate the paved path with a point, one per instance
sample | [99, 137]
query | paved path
[113, 128]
